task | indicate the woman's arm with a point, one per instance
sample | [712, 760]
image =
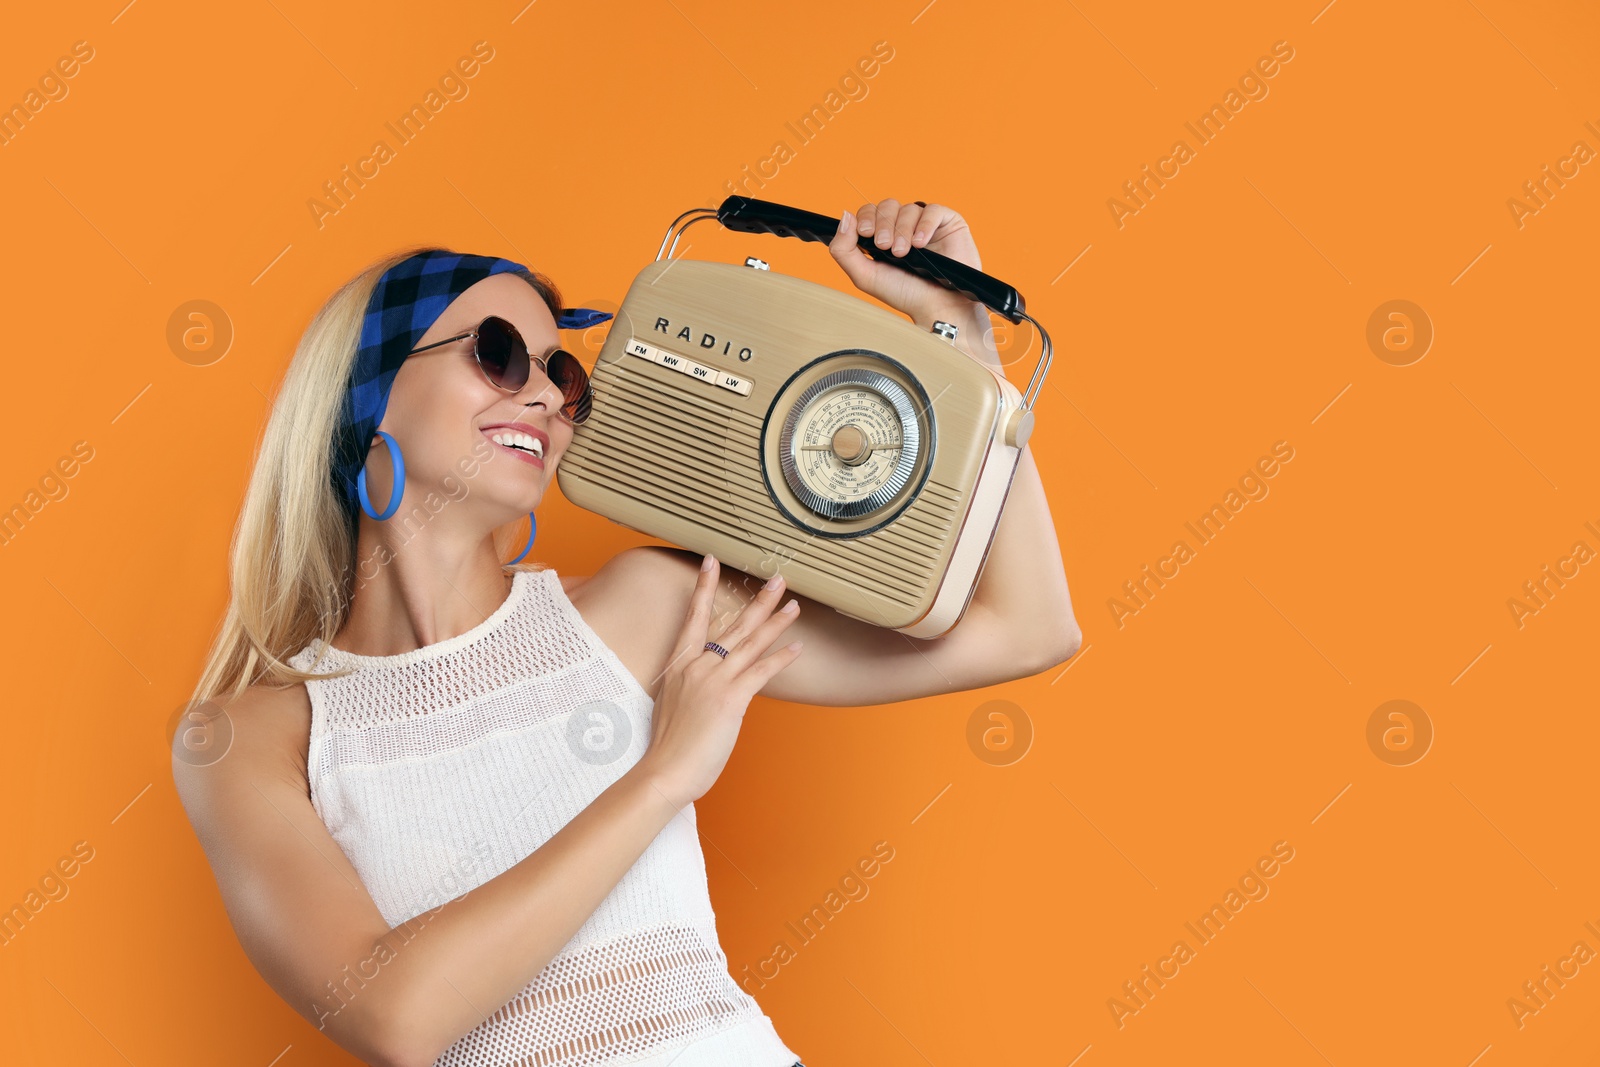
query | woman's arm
[1023, 589]
[313, 932]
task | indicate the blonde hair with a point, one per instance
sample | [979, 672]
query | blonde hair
[292, 559]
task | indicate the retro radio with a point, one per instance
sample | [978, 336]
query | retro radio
[785, 426]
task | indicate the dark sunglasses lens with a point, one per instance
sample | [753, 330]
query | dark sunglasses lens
[573, 381]
[502, 354]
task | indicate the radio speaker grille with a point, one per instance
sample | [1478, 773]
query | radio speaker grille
[699, 462]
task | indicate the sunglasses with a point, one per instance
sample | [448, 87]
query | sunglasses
[504, 359]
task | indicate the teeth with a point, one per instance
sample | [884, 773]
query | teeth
[526, 442]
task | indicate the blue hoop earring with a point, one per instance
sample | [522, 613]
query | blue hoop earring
[533, 531]
[399, 481]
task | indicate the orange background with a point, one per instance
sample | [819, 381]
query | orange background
[1229, 313]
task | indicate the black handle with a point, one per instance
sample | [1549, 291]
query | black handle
[748, 215]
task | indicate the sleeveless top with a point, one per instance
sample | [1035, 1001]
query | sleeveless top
[438, 769]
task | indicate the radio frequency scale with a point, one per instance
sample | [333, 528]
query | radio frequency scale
[785, 426]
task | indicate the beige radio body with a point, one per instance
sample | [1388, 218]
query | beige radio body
[704, 365]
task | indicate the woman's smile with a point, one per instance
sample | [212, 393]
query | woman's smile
[528, 444]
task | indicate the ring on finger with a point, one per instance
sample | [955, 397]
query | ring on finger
[712, 646]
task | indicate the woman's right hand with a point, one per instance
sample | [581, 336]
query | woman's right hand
[704, 696]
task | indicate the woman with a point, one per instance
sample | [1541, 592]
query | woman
[488, 771]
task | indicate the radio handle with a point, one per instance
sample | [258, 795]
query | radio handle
[748, 215]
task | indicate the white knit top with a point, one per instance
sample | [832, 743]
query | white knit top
[438, 769]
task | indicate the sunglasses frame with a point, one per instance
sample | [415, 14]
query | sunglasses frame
[586, 401]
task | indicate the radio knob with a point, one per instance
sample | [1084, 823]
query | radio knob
[1019, 428]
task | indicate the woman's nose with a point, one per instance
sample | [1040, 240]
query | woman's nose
[540, 387]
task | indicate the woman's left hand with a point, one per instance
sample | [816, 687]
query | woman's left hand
[901, 227]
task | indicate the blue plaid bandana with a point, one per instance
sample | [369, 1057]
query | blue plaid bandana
[408, 299]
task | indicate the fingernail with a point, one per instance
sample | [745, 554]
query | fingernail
[900, 244]
[773, 582]
[844, 222]
[705, 564]
[791, 606]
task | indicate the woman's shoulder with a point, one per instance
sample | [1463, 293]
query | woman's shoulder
[629, 580]
[635, 604]
[263, 730]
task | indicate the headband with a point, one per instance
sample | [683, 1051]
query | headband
[409, 297]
